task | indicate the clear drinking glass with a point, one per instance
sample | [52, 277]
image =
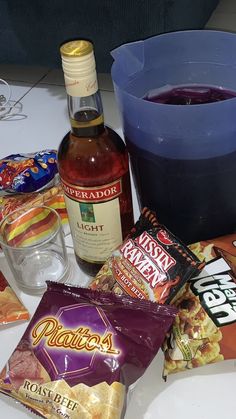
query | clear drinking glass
[33, 243]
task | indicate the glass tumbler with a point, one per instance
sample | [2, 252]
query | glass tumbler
[33, 243]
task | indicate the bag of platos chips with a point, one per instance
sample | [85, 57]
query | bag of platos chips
[206, 321]
[81, 352]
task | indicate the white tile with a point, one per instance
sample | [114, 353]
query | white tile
[18, 89]
[47, 120]
[110, 108]
[222, 21]
[56, 76]
[105, 82]
[45, 125]
[226, 6]
[15, 92]
[20, 73]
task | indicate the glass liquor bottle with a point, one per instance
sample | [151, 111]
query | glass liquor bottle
[93, 165]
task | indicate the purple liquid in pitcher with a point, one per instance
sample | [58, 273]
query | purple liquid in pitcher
[191, 95]
[193, 198]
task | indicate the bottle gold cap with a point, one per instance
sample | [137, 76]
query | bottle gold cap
[78, 64]
[76, 48]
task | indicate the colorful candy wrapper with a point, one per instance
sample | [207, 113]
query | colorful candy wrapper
[151, 263]
[24, 173]
[205, 328]
[51, 197]
[81, 352]
[11, 308]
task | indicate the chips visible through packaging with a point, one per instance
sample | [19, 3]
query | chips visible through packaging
[151, 263]
[11, 308]
[205, 326]
[24, 173]
[82, 350]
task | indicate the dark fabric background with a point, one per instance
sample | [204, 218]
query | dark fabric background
[31, 31]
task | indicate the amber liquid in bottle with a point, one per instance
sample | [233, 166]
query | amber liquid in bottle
[92, 155]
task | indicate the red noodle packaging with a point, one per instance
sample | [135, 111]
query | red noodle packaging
[151, 263]
[200, 281]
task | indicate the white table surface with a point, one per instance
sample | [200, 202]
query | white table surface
[205, 393]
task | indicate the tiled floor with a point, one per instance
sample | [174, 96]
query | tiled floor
[42, 123]
[42, 92]
[223, 17]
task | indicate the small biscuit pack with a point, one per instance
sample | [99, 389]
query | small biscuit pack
[204, 328]
[82, 350]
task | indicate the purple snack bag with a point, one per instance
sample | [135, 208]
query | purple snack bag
[81, 351]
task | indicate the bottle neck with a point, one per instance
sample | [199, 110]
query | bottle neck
[86, 115]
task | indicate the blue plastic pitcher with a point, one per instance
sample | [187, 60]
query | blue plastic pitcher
[183, 158]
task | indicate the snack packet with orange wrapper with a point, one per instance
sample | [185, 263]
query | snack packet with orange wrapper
[204, 328]
[51, 197]
[82, 350]
[11, 308]
[151, 263]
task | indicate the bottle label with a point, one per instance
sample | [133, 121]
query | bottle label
[80, 74]
[95, 222]
[81, 87]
